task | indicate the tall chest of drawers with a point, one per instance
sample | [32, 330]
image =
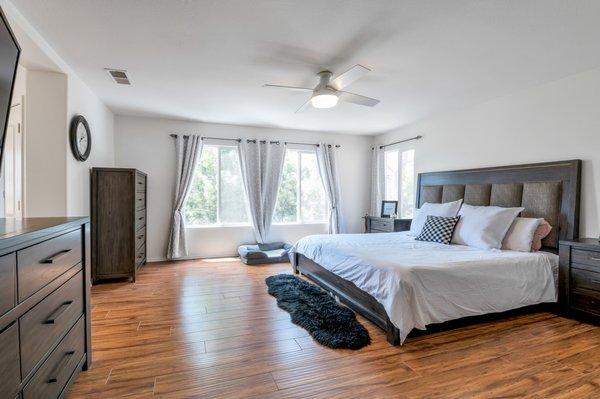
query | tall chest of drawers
[118, 211]
[45, 337]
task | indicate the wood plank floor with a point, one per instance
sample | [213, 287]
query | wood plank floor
[208, 329]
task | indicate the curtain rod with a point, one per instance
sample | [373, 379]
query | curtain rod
[401, 141]
[260, 141]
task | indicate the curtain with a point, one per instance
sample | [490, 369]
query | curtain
[261, 163]
[330, 179]
[377, 181]
[187, 150]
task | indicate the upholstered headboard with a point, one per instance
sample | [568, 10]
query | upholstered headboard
[547, 190]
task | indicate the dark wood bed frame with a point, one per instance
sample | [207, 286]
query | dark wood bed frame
[567, 172]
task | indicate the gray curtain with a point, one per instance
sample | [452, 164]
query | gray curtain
[329, 176]
[187, 150]
[377, 182]
[261, 164]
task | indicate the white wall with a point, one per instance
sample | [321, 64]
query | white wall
[45, 132]
[82, 101]
[144, 143]
[556, 121]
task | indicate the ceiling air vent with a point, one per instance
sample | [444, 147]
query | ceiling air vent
[119, 76]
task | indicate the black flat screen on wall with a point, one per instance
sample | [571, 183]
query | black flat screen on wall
[9, 58]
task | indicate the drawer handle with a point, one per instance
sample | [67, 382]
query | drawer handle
[58, 312]
[141, 218]
[59, 366]
[590, 257]
[595, 281]
[140, 237]
[55, 258]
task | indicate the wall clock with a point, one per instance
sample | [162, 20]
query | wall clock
[80, 138]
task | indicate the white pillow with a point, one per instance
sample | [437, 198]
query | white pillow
[520, 234]
[483, 226]
[447, 209]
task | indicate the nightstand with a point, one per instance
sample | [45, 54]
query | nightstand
[579, 277]
[386, 225]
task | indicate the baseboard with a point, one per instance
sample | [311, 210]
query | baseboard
[193, 257]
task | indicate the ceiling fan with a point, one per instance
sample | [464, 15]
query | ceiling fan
[329, 91]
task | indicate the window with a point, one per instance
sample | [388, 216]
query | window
[217, 195]
[301, 197]
[399, 179]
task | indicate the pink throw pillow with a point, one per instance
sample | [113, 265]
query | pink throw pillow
[541, 232]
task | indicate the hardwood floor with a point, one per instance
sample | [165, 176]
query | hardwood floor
[208, 329]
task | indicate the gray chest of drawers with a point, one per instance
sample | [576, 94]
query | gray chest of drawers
[44, 305]
[579, 277]
[386, 225]
[118, 222]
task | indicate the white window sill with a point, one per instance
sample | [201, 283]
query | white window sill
[217, 226]
[299, 224]
[221, 226]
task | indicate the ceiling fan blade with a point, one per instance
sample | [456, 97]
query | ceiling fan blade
[351, 75]
[304, 107]
[357, 99]
[288, 87]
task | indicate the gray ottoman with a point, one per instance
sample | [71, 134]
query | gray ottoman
[258, 254]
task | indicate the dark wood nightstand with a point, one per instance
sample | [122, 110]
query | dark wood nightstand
[386, 225]
[579, 277]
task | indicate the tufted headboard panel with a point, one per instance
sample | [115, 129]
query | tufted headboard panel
[549, 190]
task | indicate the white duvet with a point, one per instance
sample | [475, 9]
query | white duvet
[420, 283]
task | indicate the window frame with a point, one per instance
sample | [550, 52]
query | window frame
[400, 147]
[219, 223]
[299, 221]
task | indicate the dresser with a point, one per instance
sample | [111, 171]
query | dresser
[385, 225]
[579, 277]
[45, 337]
[118, 211]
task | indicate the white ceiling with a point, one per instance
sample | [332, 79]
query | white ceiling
[206, 60]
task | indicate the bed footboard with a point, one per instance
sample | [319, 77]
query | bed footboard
[349, 294]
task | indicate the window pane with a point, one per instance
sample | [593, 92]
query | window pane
[287, 196]
[232, 207]
[391, 175]
[313, 205]
[201, 205]
[407, 196]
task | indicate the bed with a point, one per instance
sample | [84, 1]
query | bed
[401, 284]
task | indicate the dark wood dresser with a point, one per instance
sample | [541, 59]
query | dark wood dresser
[118, 222]
[45, 337]
[386, 225]
[579, 279]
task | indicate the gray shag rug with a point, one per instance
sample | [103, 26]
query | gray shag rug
[311, 308]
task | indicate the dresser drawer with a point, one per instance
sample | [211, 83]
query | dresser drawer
[42, 326]
[382, 225]
[140, 219]
[140, 238]
[8, 270]
[10, 376]
[584, 279]
[140, 182]
[140, 200]
[43, 262]
[589, 258]
[586, 301]
[50, 379]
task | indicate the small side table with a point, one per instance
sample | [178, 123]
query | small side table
[579, 278]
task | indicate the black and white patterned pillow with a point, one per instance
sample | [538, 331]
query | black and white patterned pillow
[438, 229]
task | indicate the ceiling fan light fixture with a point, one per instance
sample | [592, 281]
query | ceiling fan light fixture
[324, 100]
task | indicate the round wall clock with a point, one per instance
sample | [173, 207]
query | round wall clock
[81, 138]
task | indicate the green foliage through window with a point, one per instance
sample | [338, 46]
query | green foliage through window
[217, 195]
[301, 197]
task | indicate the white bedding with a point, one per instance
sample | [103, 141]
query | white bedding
[420, 283]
